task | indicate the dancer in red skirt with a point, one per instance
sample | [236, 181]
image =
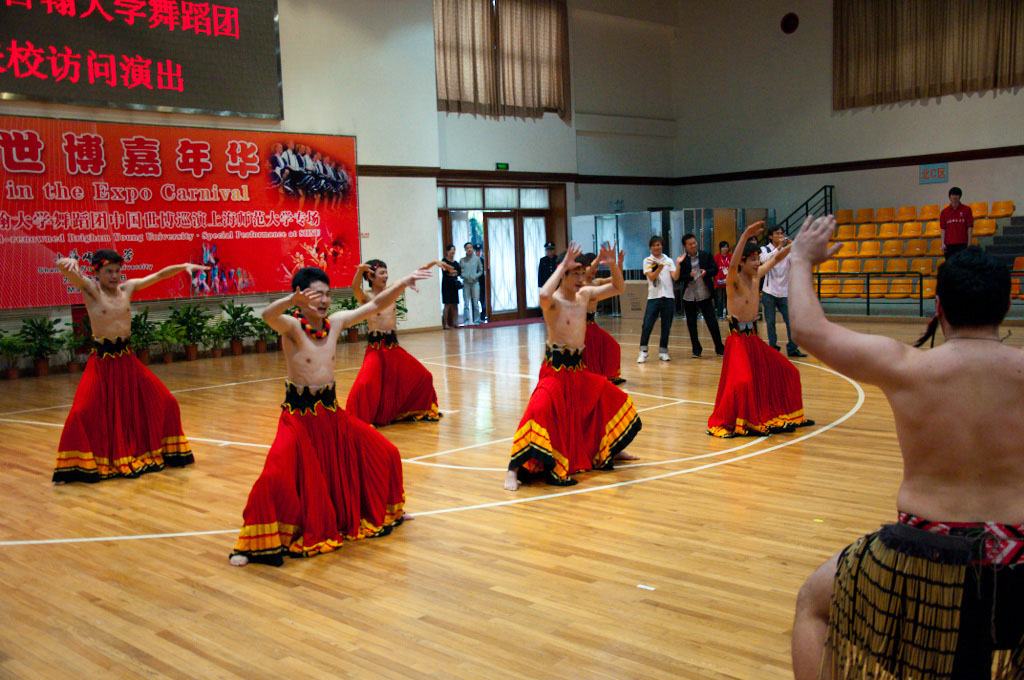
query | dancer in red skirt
[328, 476]
[123, 421]
[759, 389]
[601, 352]
[391, 385]
[576, 420]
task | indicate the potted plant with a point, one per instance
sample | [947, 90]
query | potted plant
[216, 336]
[143, 335]
[73, 343]
[239, 322]
[264, 335]
[192, 320]
[12, 348]
[169, 336]
[42, 340]
[352, 332]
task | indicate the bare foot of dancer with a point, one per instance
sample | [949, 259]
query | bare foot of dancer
[238, 560]
[625, 455]
[511, 481]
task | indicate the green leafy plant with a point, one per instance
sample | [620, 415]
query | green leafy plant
[41, 337]
[192, 319]
[143, 334]
[216, 334]
[263, 331]
[12, 348]
[169, 336]
[240, 320]
[347, 303]
[73, 342]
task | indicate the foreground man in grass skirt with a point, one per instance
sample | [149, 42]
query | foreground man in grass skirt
[391, 384]
[759, 390]
[576, 420]
[329, 477]
[938, 593]
[123, 421]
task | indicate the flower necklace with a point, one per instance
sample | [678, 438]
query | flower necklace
[322, 333]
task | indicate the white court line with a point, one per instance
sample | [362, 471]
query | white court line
[515, 501]
[480, 370]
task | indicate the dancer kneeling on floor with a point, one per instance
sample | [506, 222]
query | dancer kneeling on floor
[328, 477]
[576, 420]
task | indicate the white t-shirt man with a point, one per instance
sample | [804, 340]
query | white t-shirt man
[776, 282]
[661, 286]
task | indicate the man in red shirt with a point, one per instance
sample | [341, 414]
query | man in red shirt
[957, 222]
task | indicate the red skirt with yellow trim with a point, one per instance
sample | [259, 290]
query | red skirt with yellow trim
[123, 421]
[601, 352]
[576, 420]
[391, 385]
[758, 391]
[328, 478]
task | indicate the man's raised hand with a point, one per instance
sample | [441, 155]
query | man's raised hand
[812, 242]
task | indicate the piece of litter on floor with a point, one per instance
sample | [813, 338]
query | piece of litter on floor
[642, 586]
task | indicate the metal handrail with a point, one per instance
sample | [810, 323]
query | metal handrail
[820, 203]
[867, 284]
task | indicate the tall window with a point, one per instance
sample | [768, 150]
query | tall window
[887, 51]
[502, 57]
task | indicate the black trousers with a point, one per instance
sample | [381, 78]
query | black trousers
[707, 308]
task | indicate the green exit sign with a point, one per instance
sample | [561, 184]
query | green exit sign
[501, 166]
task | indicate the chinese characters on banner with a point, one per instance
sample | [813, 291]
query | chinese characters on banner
[151, 53]
[254, 206]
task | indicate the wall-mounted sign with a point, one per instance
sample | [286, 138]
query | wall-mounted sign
[935, 173]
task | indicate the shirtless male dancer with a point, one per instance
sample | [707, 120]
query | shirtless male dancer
[937, 594]
[391, 384]
[576, 420]
[123, 421]
[328, 477]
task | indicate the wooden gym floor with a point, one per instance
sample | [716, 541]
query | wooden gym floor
[685, 565]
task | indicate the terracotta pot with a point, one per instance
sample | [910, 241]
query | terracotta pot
[12, 373]
[143, 356]
[191, 352]
[217, 352]
[236, 347]
[74, 366]
[168, 357]
[352, 334]
[42, 367]
[261, 346]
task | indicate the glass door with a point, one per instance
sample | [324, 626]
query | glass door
[500, 281]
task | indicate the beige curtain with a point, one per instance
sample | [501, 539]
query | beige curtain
[887, 51]
[502, 58]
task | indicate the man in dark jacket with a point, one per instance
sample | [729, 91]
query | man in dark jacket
[547, 264]
[697, 271]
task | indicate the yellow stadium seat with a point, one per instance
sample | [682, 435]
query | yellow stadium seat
[844, 217]
[852, 288]
[892, 248]
[897, 265]
[846, 232]
[874, 266]
[1018, 263]
[929, 212]
[911, 230]
[850, 266]
[935, 248]
[870, 249]
[932, 229]
[1001, 209]
[866, 232]
[986, 227]
[906, 213]
[888, 230]
[865, 215]
[978, 209]
[885, 214]
[929, 288]
[829, 267]
[974, 241]
[925, 265]
[829, 287]
[848, 249]
[878, 287]
[900, 288]
[915, 247]
[1014, 288]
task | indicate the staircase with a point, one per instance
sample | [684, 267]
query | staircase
[1010, 243]
[820, 203]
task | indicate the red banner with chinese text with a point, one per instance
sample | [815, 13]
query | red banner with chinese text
[254, 206]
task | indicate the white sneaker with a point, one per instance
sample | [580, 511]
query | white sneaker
[643, 357]
[664, 356]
